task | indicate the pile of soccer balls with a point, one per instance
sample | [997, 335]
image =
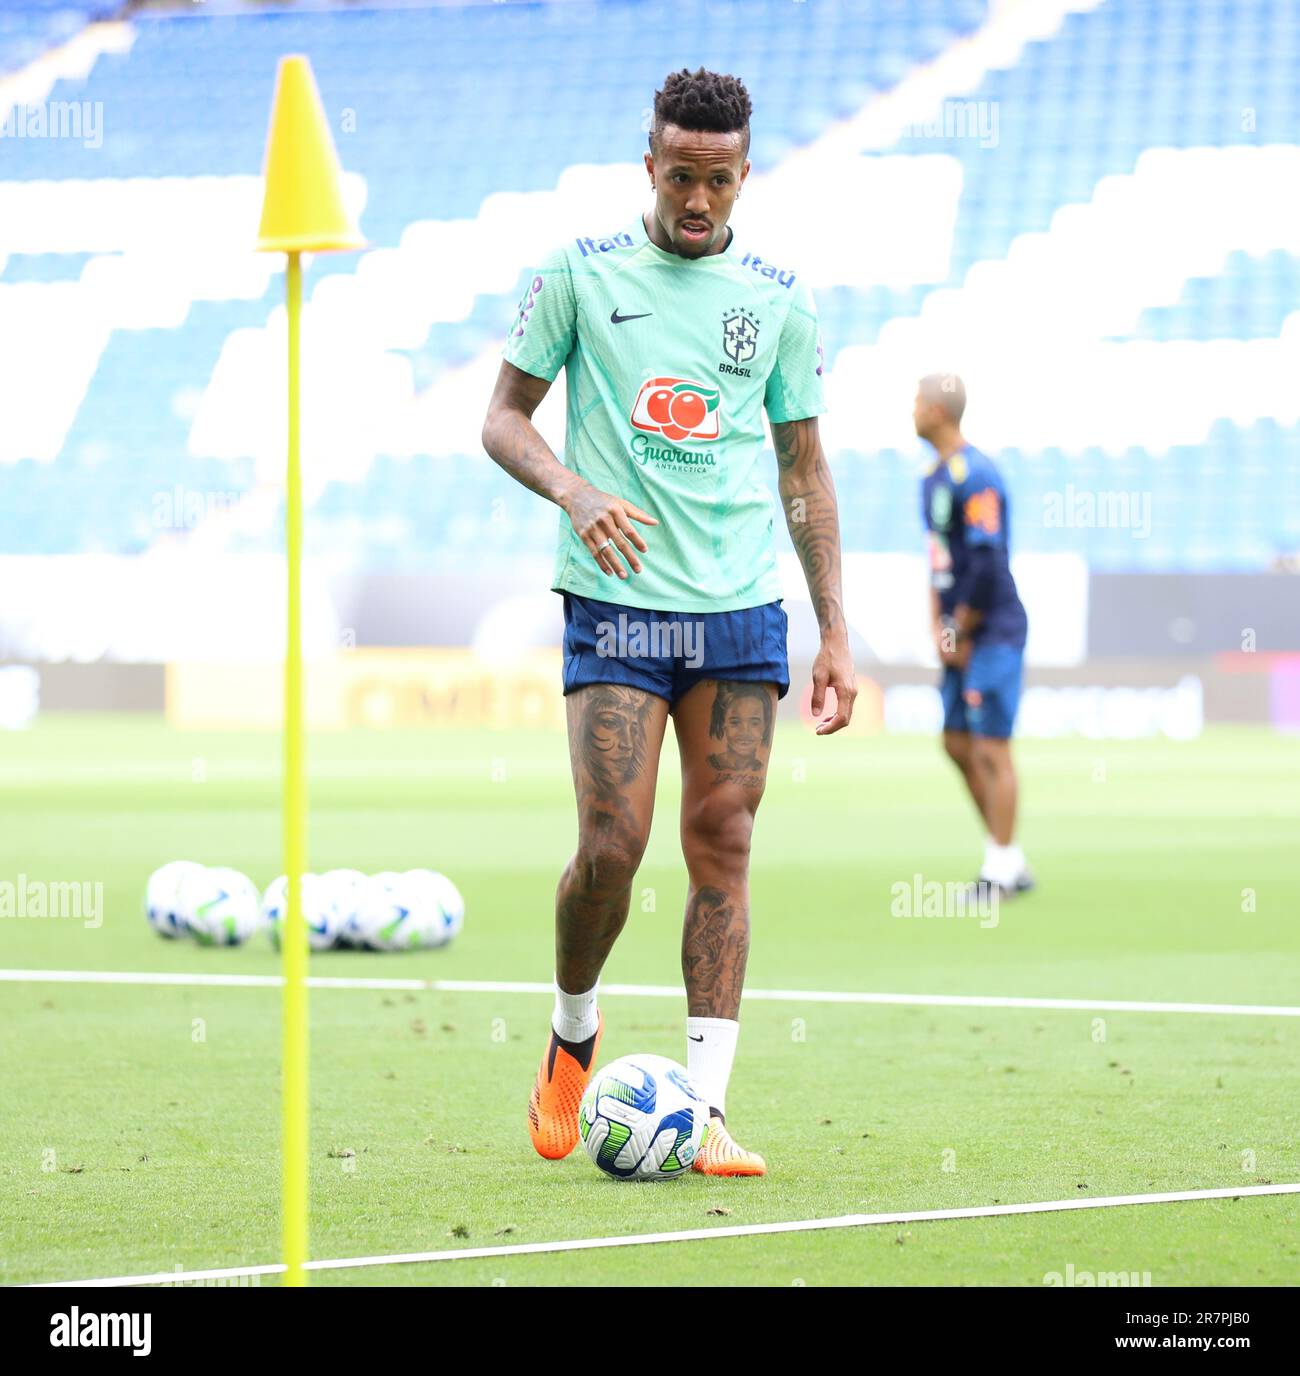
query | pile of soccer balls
[414, 910]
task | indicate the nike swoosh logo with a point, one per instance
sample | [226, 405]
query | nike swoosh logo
[693, 1039]
[616, 319]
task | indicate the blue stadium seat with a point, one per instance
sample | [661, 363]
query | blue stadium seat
[1078, 105]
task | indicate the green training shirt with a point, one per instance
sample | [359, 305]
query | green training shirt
[669, 363]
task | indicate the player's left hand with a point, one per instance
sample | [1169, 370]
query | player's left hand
[833, 668]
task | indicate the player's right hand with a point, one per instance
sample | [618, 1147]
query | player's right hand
[599, 519]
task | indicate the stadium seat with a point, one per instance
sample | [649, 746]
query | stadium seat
[1079, 105]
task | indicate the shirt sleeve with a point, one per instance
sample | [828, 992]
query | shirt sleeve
[544, 328]
[980, 504]
[981, 512]
[976, 587]
[794, 386]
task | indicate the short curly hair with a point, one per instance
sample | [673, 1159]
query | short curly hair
[703, 100]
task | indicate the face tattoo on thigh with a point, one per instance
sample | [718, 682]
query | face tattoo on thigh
[742, 720]
[613, 743]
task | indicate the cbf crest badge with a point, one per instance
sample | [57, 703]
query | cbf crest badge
[740, 334]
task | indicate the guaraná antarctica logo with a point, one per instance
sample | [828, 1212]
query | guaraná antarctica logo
[678, 409]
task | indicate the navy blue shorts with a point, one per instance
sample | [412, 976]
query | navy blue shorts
[983, 697]
[668, 653]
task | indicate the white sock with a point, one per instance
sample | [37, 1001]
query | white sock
[710, 1051]
[574, 1018]
[988, 870]
[1002, 864]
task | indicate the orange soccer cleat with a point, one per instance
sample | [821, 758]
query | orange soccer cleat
[557, 1094]
[722, 1155]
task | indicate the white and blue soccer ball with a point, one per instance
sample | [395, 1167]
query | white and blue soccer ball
[162, 897]
[426, 922]
[220, 906]
[643, 1119]
[343, 888]
[382, 912]
[319, 912]
[438, 908]
[406, 911]
[401, 912]
[453, 905]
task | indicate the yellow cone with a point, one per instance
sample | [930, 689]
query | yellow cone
[302, 206]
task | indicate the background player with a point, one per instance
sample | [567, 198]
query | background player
[977, 618]
[674, 341]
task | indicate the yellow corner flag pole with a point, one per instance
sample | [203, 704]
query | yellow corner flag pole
[302, 212]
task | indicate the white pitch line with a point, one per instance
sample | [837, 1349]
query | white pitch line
[523, 1249]
[649, 991]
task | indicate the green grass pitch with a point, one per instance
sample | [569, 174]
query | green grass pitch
[142, 1123]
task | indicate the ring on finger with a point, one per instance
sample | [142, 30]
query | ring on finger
[607, 545]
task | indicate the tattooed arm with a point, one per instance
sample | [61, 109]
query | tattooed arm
[513, 441]
[808, 496]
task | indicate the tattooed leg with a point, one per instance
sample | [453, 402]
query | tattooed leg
[724, 731]
[715, 950]
[615, 734]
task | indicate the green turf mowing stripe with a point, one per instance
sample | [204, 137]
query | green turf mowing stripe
[688, 1235]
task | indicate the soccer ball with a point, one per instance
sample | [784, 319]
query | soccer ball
[381, 912]
[403, 912]
[344, 890]
[161, 894]
[438, 910]
[426, 922]
[322, 917]
[219, 906]
[453, 905]
[642, 1119]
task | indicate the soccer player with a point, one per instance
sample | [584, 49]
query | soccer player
[977, 619]
[674, 338]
